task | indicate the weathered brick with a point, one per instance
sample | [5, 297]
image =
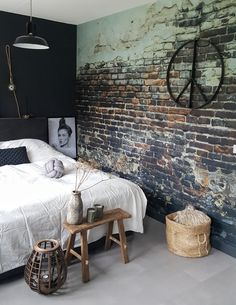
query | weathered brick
[176, 118]
[231, 159]
[222, 149]
[231, 89]
[225, 114]
[214, 156]
[203, 146]
[202, 112]
[213, 32]
[226, 38]
[232, 29]
[153, 82]
[121, 82]
[176, 110]
[217, 164]
[125, 103]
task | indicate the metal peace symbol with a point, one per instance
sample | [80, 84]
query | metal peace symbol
[192, 91]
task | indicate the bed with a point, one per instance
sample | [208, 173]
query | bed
[34, 206]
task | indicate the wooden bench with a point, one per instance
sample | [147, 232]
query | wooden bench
[108, 217]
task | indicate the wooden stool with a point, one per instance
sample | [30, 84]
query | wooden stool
[108, 217]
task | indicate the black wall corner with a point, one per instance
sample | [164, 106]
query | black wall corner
[44, 79]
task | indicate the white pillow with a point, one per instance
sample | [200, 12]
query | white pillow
[37, 150]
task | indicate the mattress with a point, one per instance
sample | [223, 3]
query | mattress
[33, 206]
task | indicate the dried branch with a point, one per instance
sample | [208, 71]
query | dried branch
[86, 167]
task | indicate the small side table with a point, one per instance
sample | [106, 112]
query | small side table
[108, 217]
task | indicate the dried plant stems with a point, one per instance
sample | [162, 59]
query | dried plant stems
[83, 170]
[83, 177]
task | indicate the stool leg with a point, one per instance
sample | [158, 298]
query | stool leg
[123, 243]
[109, 234]
[70, 245]
[84, 256]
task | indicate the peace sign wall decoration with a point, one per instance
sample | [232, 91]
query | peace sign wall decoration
[195, 73]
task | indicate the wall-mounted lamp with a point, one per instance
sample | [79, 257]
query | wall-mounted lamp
[30, 41]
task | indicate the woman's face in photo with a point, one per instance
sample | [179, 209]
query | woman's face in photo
[63, 137]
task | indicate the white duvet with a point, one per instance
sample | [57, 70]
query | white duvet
[33, 206]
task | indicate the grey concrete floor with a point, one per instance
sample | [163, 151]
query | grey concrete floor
[153, 276]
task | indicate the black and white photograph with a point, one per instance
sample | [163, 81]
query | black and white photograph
[62, 135]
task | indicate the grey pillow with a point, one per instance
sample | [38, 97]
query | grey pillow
[54, 168]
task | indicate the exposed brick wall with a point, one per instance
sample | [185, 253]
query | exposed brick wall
[127, 121]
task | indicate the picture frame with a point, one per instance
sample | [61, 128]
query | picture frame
[62, 135]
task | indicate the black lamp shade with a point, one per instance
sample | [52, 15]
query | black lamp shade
[30, 41]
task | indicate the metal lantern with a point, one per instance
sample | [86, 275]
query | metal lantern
[46, 271]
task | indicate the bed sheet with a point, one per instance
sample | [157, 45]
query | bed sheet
[33, 206]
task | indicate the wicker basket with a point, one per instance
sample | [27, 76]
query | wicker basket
[188, 241]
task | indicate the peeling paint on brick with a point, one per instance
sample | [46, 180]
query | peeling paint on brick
[128, 123]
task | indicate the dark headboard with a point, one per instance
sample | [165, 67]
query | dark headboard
[14, 128]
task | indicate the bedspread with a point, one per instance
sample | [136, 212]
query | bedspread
[33, 206]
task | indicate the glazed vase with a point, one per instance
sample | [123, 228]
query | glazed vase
[75, 209]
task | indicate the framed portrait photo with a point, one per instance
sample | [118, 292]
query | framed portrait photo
[62, 135]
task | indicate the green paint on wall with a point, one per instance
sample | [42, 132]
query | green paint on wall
[140, 31]
[231, 65]
[127, 34]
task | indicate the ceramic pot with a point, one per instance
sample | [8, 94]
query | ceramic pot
[75, 209]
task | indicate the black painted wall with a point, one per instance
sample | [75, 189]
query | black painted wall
[44, 79]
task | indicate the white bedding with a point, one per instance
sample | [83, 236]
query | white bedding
[33, 206]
